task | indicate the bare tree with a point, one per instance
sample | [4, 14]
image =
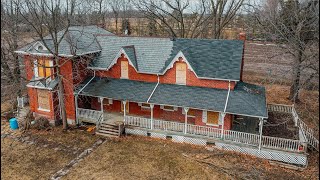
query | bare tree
[51, 16]
[115, 8]
[172, 16]
[296, 25]
[222, 13]
[10, 65]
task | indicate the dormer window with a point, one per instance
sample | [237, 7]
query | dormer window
[124, 70]
[181, 73]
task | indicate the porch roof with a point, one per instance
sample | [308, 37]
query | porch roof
[246, 99]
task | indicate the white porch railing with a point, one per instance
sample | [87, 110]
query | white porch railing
[280, 108]
[203, 131]
[210, 132]
[307, 133]
[168, 126]
[88, 114]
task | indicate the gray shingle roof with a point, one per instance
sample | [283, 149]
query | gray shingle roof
[245, 99]
[209, 58]
[130, 51]
[151, 53]
[120, 89]
[79, 40]
[250, 98]
[42, 83]
[189, 96]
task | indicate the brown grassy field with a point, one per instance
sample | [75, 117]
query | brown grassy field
[42, 153]
[146, 158]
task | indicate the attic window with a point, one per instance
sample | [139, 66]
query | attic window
[39, 48]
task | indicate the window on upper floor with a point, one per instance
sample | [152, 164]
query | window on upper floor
[43, 100]
[42, 68]
[124, 70]
[181, 73]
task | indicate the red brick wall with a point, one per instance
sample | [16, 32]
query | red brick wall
[33, 103]
[168, 78]
[158, 113]
[66, 72]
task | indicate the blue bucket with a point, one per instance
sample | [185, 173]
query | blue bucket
[13, 123]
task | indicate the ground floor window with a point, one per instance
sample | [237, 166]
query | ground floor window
[168, 108]
[43, 100]
[144, 106]
[212, 118]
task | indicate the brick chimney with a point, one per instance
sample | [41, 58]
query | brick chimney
[242, 36]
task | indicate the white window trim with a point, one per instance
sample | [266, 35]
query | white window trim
[35, 68]
[171, 110]
[143, 106]
[45, 110]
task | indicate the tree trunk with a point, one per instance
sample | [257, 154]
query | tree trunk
[295, 87]
[61, 97]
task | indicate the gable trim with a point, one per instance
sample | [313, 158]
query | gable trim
[38, 43]
[175, 59]
[114, 61]
[184, 59]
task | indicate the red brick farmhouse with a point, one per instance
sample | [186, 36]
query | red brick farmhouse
[190, 89]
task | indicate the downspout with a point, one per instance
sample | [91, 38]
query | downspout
[152, 105]
[154, 89]
[76, 97]
[224, 110]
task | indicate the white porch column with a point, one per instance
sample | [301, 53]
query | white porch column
[76, 104]
[260, 132]
[151, 106]
[101, 106]
[222, 115]
[185, 119]
[124, 111]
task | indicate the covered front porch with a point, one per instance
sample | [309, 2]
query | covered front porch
[166, 109]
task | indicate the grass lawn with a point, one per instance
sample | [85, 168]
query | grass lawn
[146, 158]
[42, 154]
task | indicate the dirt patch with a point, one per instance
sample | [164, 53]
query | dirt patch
[147, 158]
[280, 125]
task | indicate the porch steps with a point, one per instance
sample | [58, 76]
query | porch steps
[109, 130]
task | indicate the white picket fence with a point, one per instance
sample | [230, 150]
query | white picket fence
[305, 130]
[210, 132]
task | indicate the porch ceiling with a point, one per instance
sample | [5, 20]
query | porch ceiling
[245, 99]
